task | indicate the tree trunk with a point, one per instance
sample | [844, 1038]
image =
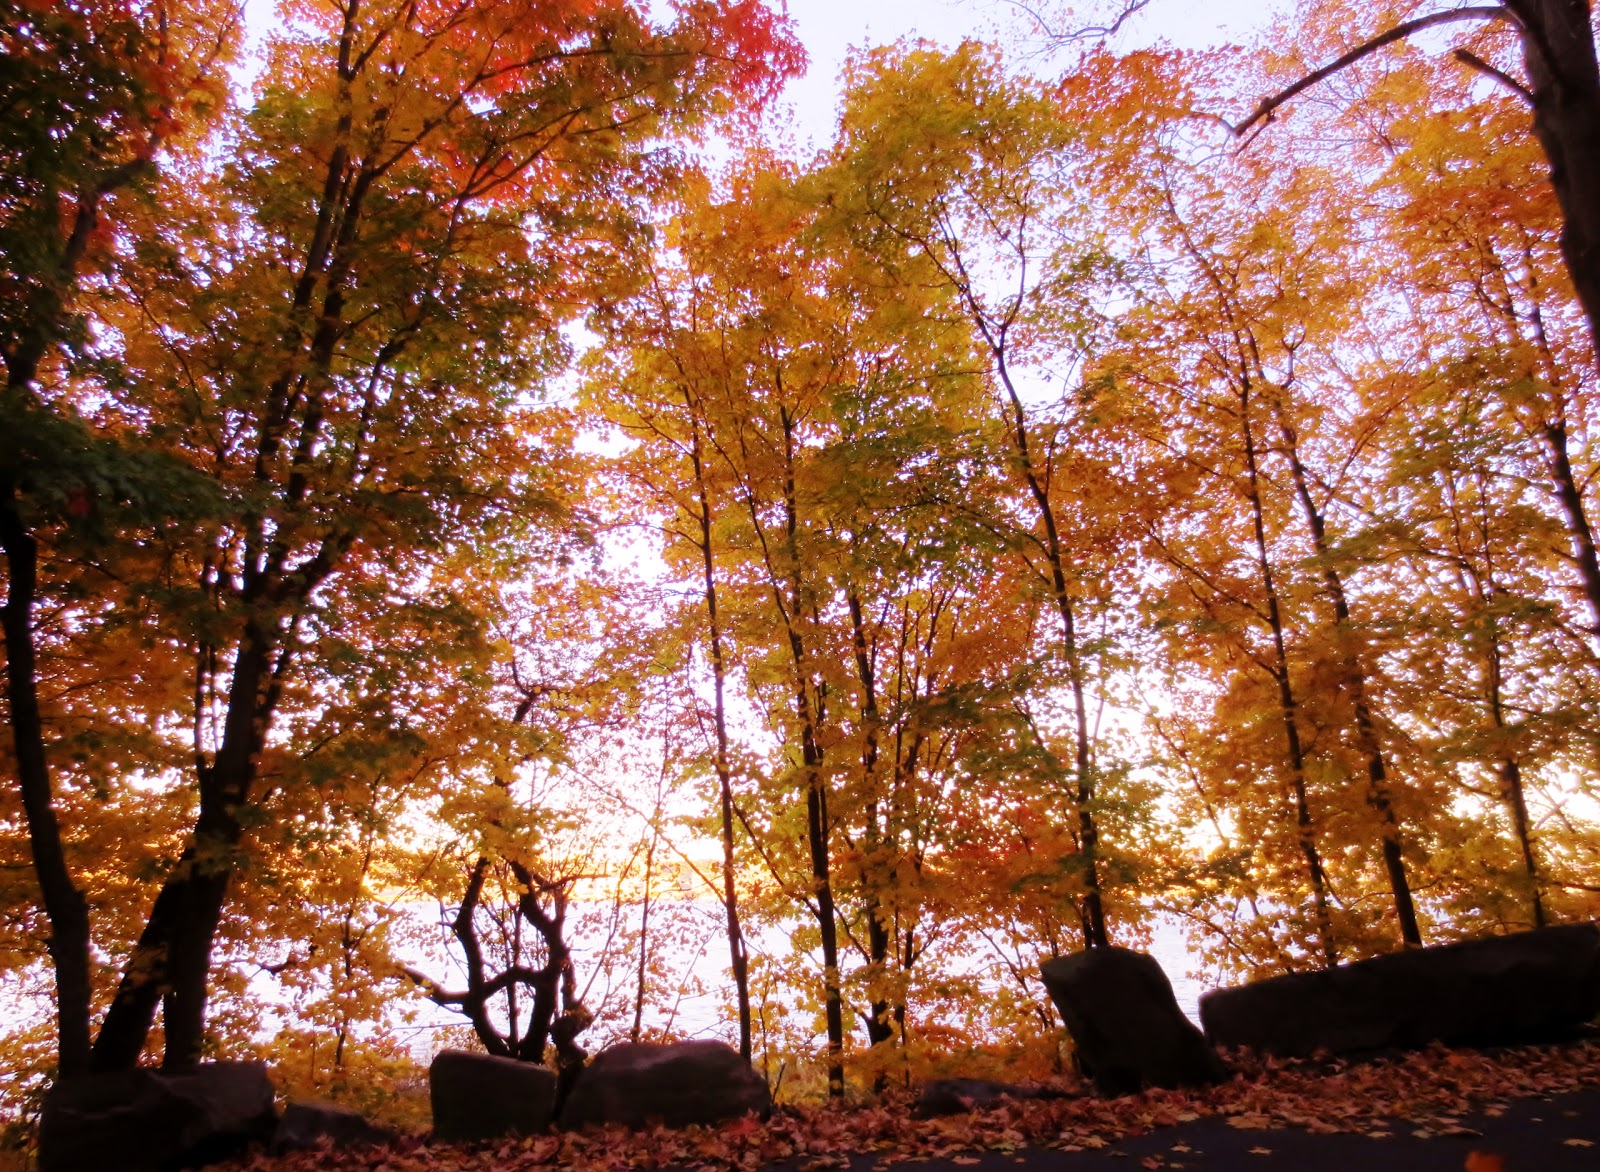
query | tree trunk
[64, 904]
[173, 955]
[1092, 909]
[644, 933]
[1559, 52]
[1354, 677]
[739, 959]
[1565, 481]
[818, 827]
[1511, 787]
[879, 1026]
[1287, 705]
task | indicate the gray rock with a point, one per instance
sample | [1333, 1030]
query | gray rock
[306, 1123]
[155, 1121]
[1126, 1027]
[479, 1096]
[1504, 990]
[639, 1083]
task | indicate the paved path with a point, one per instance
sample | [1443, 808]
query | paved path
[1558, 1134]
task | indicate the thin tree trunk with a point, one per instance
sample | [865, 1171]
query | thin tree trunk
[1092, 910]
[817, 819]
[739, 959]
[1355, 683]
[1511, 786]
[880, 1027]
[644, 934]
[1287, 704]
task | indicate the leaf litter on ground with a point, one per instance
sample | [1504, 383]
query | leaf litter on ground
[1429, 1091]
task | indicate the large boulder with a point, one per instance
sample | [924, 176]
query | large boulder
[1529, 987]
[308, 1123]
[639, 1083]
[155, 1121]
[479, 1096]
[1126, 1027]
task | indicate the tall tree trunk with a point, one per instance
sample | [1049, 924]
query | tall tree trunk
[1092, 909]
[64, 904]
[1354, 678]
[39, 328]
[880, 1027]
[1512, 791]
[644, 932]
[1287, 704]
[818, 825]
[738, 957]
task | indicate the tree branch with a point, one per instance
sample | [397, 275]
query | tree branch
[1398, 33]
[1472, 61]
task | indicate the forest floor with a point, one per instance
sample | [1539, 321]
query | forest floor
[1519, 1109]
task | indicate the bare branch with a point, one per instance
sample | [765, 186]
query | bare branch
[1470, 59]
[1398, 33]
[1056, 40]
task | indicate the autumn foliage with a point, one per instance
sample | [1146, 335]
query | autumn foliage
[470, 549]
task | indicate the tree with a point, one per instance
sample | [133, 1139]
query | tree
[364, 260]
[1562, 90]
[955, 174]
[90, 95]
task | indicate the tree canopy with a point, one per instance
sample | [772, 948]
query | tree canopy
[488, 531]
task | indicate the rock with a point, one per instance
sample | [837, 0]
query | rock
[1503, 990]
[1125, 1023]
[638, 1083]
[305, 1124]
[953, 1096]
[154, 1121]
[479, 1096]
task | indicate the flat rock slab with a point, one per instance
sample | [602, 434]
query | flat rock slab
[640, 1083]
[1126, 1027]
[1505, 990]
[480, 1096]
[155, 1121]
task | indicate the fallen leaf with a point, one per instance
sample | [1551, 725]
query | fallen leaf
[1484, 1162]
[1261, 1151]
[964, 1160]
[1575, 1142]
